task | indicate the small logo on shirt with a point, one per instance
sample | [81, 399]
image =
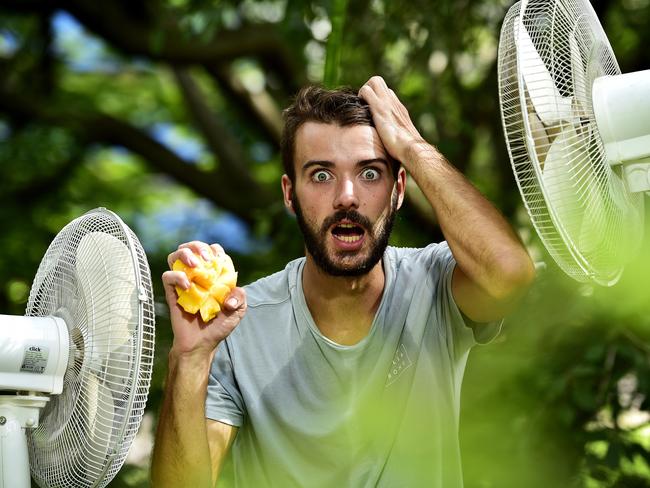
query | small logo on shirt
[401, 362]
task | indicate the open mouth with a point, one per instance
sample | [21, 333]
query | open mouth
[348, 232]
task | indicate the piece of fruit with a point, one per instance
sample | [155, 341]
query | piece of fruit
[210, 284]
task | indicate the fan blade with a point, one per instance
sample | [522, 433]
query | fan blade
[104, 268]
[551, 107]
[539, 135]
[119, 370]
[578, 71]
[574, 197]
[99, 415]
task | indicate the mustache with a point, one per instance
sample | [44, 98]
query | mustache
[351, 215]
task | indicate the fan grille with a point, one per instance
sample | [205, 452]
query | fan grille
[550, 53]
[96, 277]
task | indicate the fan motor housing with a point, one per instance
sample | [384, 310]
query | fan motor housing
[33, 353]
[622, 111]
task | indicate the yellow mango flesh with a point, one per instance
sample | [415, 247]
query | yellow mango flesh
[210, 284]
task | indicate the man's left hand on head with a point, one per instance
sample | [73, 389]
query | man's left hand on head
[392, 120]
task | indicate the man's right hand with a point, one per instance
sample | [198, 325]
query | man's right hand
[192, 336]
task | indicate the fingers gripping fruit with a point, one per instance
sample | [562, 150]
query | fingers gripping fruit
[210, 284]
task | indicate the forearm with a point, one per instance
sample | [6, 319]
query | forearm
[483, 243]
[181, 456]
[492, 260]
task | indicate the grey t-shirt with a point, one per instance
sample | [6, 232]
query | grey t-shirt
[314, 413]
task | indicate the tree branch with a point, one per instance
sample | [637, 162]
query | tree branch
[140, 36]
[232, 157]
[225, 192]
[259, 107]
[98, 127]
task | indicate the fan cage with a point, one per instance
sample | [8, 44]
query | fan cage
[587, 220]
[85, 433]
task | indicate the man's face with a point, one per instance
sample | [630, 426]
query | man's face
[344, 196]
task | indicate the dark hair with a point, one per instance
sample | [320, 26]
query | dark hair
[316, 104]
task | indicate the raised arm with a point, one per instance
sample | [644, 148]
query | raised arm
[188, 450]
[493, 268]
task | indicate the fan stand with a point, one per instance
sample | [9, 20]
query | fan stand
[17, 413]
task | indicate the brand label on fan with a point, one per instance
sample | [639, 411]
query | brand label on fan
[35, 359]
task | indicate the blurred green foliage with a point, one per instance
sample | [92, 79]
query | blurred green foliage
[168, 113]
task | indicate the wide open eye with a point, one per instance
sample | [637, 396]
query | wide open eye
[370, 174]
[320, 176]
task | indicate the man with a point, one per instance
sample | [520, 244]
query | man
[346, 367]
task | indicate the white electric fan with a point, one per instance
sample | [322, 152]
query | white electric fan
[578, 134]
[75, 370]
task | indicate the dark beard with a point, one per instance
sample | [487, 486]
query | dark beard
[315, 240]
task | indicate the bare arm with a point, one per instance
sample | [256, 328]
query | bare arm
[181, 455]
[493, 268]
[220, 438]
[188, 450]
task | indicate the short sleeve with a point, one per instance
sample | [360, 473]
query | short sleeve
[462, 332]
[224, 401]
